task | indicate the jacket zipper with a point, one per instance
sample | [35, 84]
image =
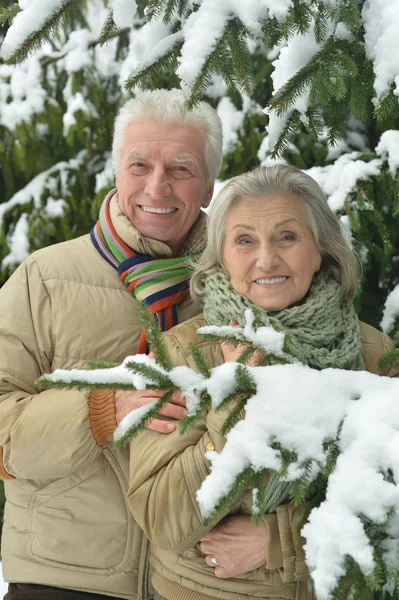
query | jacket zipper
[144, 589]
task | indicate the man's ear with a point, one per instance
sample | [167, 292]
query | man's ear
[208, 196]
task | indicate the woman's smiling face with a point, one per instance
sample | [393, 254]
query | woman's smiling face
[269, 250]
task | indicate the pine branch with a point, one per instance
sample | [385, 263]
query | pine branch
[8, 13]
[109, 31]
[240, 56]
[35, 41]
[225, 504]
[291, 128]
[154, 337]
[235, 415]
[100, 364]
[156, 69]
[200, 360]
[44, 383]
[320, 23]
[188, 421]
[258, 488]
[388, 360]
[159, 380]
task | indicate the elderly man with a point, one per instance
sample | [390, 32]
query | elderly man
[68, 533]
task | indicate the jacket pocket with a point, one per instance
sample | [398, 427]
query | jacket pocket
[81, 522]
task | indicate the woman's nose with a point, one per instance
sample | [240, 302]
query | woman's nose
[268, 257]
[157, 184]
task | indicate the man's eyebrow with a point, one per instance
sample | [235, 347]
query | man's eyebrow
[183, 159]
[136, 155]
[251, 228]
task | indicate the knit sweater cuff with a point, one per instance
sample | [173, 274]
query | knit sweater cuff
[3, 472]
[102, 415]
[274, 551]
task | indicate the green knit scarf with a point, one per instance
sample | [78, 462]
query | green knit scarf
[322, 332]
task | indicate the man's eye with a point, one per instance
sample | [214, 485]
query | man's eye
[180, 172]
[138, 164]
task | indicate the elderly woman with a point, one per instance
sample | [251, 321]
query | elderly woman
[273, 242]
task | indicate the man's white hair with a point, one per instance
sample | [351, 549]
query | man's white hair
[169, 106]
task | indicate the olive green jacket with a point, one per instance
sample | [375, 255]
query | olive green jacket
[165, 475]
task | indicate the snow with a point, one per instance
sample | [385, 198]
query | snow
[34, 189]
[3, 584]
[388, 148]
[18, 243]
[293, 56]
[391, 310]
[27, 22]
[123, 12]
[381, 24]
[340, 179]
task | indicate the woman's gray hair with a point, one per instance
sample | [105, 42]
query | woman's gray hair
[169, 106]
[262, 183]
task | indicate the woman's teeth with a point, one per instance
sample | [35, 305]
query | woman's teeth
[269, 281]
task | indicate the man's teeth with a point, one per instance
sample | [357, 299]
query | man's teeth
[274, 280]
[159, 211]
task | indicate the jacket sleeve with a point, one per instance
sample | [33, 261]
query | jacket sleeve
[46, 434]
[167, 471]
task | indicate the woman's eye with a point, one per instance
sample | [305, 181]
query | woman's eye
[243, 241]
[288, 237]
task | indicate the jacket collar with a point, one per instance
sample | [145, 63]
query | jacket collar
[195, 241]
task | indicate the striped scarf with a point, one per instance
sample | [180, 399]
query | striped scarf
[160, 283]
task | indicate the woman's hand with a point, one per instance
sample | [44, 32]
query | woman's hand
[236, 545]
[232, 354]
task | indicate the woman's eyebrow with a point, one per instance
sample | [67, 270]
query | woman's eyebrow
[251, 228]
[284, 222]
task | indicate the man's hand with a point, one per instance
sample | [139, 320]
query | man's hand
[126, 401]
[231, 353]
[237, 545]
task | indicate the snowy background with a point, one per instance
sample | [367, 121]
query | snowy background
[3, 585]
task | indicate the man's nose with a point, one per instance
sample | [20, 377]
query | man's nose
[157, 184]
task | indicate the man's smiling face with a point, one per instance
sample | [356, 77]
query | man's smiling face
[162, 179]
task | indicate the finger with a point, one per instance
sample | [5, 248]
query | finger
[173, 411]
[206, 547]
[149, 393]
[161, 426]
[223, 573]
[178, 398]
